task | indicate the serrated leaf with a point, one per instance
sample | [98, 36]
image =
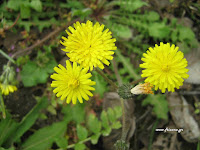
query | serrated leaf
[101, 84]
[82, 13]
[159, 30]
[25, 11]
[94, 124]
[160, 105]
[111, 115]
[81, 132]
[78, 113]
[104, 119]
[121, 31]
[186, 33]
[118, 111]
[44, 138]
[95, 138]
[80, 146]
[37, 5]
[32, 74]
[13, 4]
[106, 131]
[130, 5]
[116, 125]
[152, 16]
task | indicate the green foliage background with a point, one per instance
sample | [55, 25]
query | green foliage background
[135, 26]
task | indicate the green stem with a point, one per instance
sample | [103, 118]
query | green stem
[106, 78]
[124, 133]
[6, 56]
[2, 106]
[80, 142]
[152, 133]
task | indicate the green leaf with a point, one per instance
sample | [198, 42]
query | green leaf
[106, 131]
[95, 138]
[116, 125]
[101, 84]
[121, 31]
[174, 35]
[62, 142]
[160, 105]
[159, 30]
[118, 111]
[130, 5]
[82, 13]
[66, 109]
[78, 113]
[111, 115]
[94, 124]
[74, 113]
[44, 138]
[186, 33]
[37, 5]
[127, 65]
[11, 148]
[32, 74]
[81, 132]
[28, 120]
[104, 119]
[7, 127]
[152, 16]
[80, 146]
[13, 4]
[25, 11]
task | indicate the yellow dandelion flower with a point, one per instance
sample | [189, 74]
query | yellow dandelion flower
[6, 88]
[164, 67]
[72, 82]
[89, 45]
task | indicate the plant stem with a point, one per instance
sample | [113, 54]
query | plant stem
[2, 106]
[152, 133]
[106, 78]
[124, 133]
[72, 145]
[6, 56]
[137, 81]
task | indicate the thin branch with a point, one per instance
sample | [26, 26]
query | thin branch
[13, 23]
[137, 81]
[56, 31]
[106, 78]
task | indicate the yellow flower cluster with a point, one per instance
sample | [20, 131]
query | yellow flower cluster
[6, 88]
[89, 46]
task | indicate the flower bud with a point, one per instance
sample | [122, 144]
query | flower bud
[124, 91]
[145, 88]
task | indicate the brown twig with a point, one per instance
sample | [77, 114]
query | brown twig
[13, 23]
[137, 81]
[56, 31]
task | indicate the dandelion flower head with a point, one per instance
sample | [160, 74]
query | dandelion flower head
[72, 82]
[6, 88]
[164, 67]
[89, 45]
